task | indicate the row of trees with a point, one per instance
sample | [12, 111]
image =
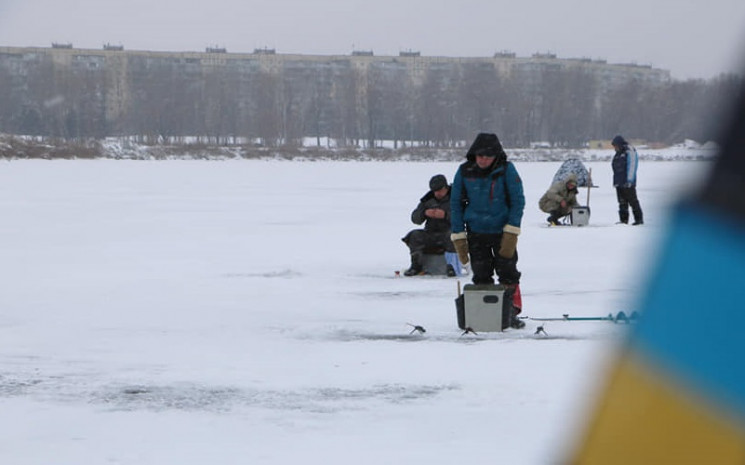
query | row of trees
[162, 100]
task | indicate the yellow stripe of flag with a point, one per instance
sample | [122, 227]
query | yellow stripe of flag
[646, 418]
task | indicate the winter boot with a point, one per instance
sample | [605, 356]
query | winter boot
[450, 271]
[516, 323]
[416, 265]
[515, 303]
[623, 216]
[517, 308]
[638, 218]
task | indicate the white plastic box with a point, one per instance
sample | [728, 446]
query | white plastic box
[580, 216]
[483, 308]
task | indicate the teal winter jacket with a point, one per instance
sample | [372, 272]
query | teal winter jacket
[486, 200]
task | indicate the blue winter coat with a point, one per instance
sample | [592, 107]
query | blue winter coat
[625, 163]
[484, 201]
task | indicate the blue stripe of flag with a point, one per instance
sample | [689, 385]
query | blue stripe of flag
[693, 319]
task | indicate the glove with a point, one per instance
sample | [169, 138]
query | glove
[460, 242]
[509, 241]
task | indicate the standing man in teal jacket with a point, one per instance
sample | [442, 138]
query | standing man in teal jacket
[486, 204]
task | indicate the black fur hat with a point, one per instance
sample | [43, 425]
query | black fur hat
[437, 182]
[486, 143]
[619, 141]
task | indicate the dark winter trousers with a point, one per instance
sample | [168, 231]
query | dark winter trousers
[485, 260]
[421, 241]
[627, 197]
[559, 213]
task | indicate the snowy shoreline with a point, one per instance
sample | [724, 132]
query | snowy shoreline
[21, 147]
[117, 151]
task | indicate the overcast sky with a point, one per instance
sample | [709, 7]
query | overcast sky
[691, 38]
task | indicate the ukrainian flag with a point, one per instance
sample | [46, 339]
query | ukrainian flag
[677, 392]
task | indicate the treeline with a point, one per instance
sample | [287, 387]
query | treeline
[167, 101]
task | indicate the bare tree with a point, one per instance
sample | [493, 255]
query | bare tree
[437, 106]
[267, 107]
[478, 101]
[568, 107]
[345, 109]
[221, 109]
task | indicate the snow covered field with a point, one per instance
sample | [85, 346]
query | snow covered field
[247, 312]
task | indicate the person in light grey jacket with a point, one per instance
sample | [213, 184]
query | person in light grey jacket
[559, 199]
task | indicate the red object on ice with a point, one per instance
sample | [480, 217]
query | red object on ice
[517, 300]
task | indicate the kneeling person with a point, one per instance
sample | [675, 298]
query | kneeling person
[559, 199]
[433, 211]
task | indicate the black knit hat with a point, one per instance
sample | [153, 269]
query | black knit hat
[486, 144]
[437, 182]
[619, 141]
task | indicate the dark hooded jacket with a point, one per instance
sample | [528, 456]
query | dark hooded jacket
[625, 163]
[486, 200]
[434, 225]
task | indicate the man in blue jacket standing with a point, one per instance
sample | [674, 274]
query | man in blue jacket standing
[486, 204]
[625, 163]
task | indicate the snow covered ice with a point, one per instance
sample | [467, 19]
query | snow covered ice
[234, 312]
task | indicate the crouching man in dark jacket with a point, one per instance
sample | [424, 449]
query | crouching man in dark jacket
[487, 204]
[434, 211]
